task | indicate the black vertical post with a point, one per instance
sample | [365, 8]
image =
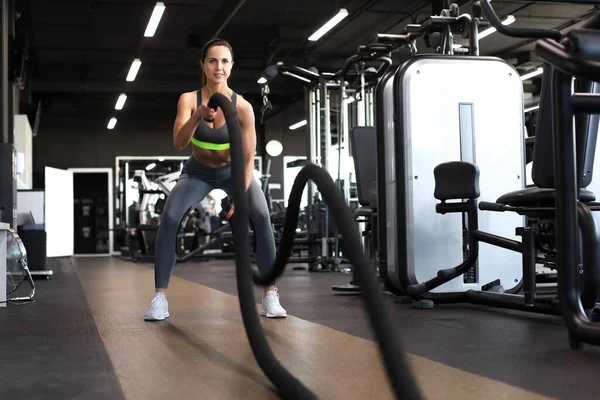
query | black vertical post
[437, 6]
[10, 19]
[8, 184]
[528, 242]
[4, 80]
[566, 186]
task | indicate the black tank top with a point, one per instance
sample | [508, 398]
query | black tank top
[211, 138]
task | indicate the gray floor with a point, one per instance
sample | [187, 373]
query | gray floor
[51, 349]
[57, 347]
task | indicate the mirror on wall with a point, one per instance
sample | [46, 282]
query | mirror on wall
[142, 185]
[141, 188]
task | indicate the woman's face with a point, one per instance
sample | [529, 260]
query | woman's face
[217, 64]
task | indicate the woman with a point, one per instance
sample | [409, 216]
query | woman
[209, 168]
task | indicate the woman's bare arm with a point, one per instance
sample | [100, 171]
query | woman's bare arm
[187, 119]
[246, 117]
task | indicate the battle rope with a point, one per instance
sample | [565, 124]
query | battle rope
[378, 310]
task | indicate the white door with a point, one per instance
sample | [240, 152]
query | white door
[289, 175]
[58, 211]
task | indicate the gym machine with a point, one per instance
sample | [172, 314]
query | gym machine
[425, 119]
[361, 137]
[562, 156]
[318, 238]
[145, 221]
[355, 109]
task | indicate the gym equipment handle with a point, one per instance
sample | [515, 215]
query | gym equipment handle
[556, 54]
[378, 310]
[516, 32]
[369, 49]
[487, 206]
[355, 59]
[390, 38]
[303, 72]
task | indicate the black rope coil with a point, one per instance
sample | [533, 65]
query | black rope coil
[379, 311]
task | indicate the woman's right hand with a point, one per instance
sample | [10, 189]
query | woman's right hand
[204, 112]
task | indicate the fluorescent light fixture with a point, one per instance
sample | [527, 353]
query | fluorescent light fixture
[486, 32]
[456, 46]
[532, 74]
[157, 14]
[292, 75]
[121, 101]
[133, 70]
[329, 25]
[112, 123]
[531, 109]
[150, 166]
[261, 80]
[298, 125]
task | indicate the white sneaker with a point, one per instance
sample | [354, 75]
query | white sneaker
[271, 307]
[159, 308]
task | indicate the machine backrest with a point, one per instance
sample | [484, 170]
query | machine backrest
[588, 125]
[586, 132]
[364, 150]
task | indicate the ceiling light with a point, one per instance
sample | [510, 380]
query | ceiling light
[121, 101]
[133, 70]
[262, 80]
[150, 166]
[329, 25]
[291, 75]
[298, 125]
[486, 32]
[112, 123]
[157, 14]
[532, 74]
[531, 109]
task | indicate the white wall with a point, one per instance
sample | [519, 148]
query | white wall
[30, 202]
[24, 147]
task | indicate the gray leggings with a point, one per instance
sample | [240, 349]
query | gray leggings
[195, 183]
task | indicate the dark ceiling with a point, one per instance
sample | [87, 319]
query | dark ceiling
[81, 50]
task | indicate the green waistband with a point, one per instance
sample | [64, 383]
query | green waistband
[210, 146]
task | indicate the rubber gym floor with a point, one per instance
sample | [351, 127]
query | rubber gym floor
[85, 338]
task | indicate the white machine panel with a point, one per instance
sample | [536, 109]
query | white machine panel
[468, 109]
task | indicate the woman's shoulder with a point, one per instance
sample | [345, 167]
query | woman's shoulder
[189, 96]
[241, 103]
[244, 108]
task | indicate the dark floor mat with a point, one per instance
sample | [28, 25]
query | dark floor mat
[51, 349]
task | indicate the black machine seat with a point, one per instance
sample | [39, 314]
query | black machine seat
[535, 196]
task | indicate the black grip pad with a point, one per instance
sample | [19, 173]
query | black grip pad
[585, 43]
[456, 180]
